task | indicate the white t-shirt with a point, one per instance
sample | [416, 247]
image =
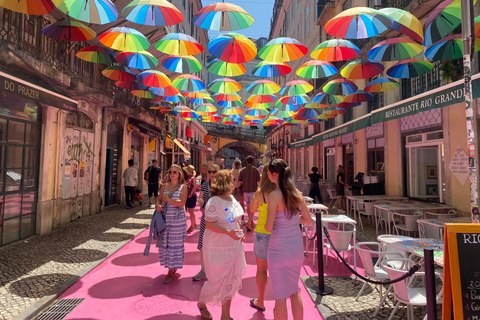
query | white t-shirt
[130, 175]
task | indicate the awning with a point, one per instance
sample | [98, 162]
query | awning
[351, 126]
[305, 142]
[180, 145]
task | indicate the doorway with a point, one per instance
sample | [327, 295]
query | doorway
[330, 168]
[111, 169]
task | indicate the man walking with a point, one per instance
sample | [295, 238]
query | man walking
[130, 175]
[152, 176]
[249, 178]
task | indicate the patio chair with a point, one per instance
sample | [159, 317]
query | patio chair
[332, 194]
[406, 222]
[341, 242]
[360, 209]
[369, 211]
[426, 230]
[437, 215]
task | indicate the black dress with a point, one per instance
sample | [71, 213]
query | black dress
[314, 188]
[340, 187]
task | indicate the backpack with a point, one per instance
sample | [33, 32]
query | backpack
[145, 173]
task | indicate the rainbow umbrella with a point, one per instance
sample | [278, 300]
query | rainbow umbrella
[253, 105]
[124, 39]
[170, 99]
[213, 118]
[227, 97]
[224, 85]
[226, 69]
[152, 13]
[186, 112]
[188, 82]
[162, 109]
[227, 120]
[316, 69]
[449, 48]
[362, 69]
[292, 122]
[263, 87]
[358, 96]
[222, 17]
[201, 100]
[409, 68]
[273, 121]
[34, 8]
[381, 85]
[296, 100]
[287, 107]
[442, 20]
[477, 27]
[335, 50]
[282, 49]
[89, 11]
[258, 99]
[305, 114]
[196, 94]
[119, 73]
[296, 87]
[179, 44]
[232, 47]
[357, 23]
[130, 85]
[137, 60]
[206, 109]
[251, 122]
[326, 116]
[147, 94]
[231, 111]
[256, 113]
[344, 105]
[311, 121]
[167, 91]
[154, 78]
[324, 100]
[267, 69]
[66, 30]
[179, 64]
[334, 111]
[229, 104]
[281, 114]
[394, 49]
[340, 87]
[404, 22]
[96, 54]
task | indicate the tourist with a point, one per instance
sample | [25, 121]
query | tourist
[260, 167]
[130, 175]
[340, 188]
[248, 179]
[152, 176]
[203, 173]
[314, 187]
[191, 182]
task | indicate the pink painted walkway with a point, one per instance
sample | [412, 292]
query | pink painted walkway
[129, 285]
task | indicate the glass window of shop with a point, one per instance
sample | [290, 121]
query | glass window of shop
[136, 143]
[152, 149]
[375, 156]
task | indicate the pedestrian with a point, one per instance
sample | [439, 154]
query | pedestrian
[286, 210]
[171, 253]
[314, 177]
[203, 173]
[222, 247]
[233, 164]
[191, 182]
[238, 192]
[340, 188]
[152, 176]
[186, 162]
[249, 178]
[131, 176]
[260, 167]
[262, 237]
[202, 201]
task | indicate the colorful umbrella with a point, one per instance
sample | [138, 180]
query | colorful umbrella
[179, 64]
[281, 114]
[344, 105]
[154, 78]
[305, 114]
[206, 109]
[224, 85]
[263, 87]
[273, 121]
[442, 20]
[196, 94]
[334, 111]
[404, 22]
[171, 99]
[394, 49]
[201, 100]
[357, 23]
[260, 99]
[316, 69]
[96, 54]
[256, 113]
[477, 27]
[137, 60]
[188, 82]
[124, 39]
[362, 69]
[296, 100]
[409, 68]
[226, 69]
[232, 111]
[293, 122]
[34, 8]
[287, 107]
[119, 73]
[232, 47]
[335, 50]
[267, 69]
[324, 100]
[253, 105]
[162, 109]
[168, 91]
[282, 49]
[226, 97]
[222, 17]
[130, 85]
[152, 13]
[214, 118]
[251, 122]
[66, 30]
[147, 94]
[89, 11]
[229, 104]
[179, 44]
[228, 120]
[186, 112]
[340, 87]
[381, 85]
[296, 87]
[449, 48]
[358, 96]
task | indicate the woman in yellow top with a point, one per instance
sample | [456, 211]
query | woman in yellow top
[262, 237]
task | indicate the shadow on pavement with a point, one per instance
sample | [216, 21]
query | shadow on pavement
[80, 255]
[123, 287]
[43, 284]
[135, 259]
[113, 236]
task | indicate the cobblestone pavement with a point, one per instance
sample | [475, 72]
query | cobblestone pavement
[38, 266]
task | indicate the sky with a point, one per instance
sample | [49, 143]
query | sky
[260, 10]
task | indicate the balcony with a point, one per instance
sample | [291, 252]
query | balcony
[241, 133]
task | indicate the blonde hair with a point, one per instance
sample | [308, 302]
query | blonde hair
[222, 184]
[181, 178]
[204, 175]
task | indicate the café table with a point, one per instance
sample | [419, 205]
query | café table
[415, 246]
[440, 223]
[352, 199]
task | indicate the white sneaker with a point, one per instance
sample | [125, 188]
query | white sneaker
[199, 276]
[341, 210]
[334, 208]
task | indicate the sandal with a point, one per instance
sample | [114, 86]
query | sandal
[190, 230]
[204, 312]
[253, 305]
[168, 279]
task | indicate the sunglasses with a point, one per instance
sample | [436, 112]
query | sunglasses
[214, 171]
[172, 172]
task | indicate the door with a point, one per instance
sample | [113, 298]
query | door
[108, 178]
[425, 168]
[330, 167]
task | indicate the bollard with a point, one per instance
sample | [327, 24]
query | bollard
[430, 284]
[322, 289]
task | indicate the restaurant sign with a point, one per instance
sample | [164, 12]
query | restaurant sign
[351, 126]
[302, 143]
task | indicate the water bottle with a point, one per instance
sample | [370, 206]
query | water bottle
[231, 219]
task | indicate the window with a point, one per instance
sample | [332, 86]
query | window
[330, 124]
[299, 31]
[307, 21]
[349, 115]
[375, 103]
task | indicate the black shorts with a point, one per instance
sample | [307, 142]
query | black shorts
[153, 190]
[191, 202]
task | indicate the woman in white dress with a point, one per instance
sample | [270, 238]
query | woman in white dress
[223, 253]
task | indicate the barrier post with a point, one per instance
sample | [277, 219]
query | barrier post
[322, 289]
[430, 284]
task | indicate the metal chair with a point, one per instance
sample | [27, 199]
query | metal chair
[406, 222]
[341, 242]
[332, 194]
[426, 230]
[437, 215]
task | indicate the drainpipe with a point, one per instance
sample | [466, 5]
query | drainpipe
[103, 157]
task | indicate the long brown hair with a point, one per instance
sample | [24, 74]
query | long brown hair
[290, 194]
[266, 186]
[181, 178]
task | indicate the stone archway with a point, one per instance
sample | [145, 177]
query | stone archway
[244, 149]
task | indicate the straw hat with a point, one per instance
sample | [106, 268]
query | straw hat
[190, 170]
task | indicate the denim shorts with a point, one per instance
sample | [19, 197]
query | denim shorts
[260, 245]
[248, 197]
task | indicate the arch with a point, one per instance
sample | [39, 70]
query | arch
[243, 148]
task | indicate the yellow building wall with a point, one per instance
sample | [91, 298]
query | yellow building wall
[393, 159]
[360, 151]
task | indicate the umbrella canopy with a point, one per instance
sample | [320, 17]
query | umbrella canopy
[442, 20]
[325, 100]
[448, 48]
[124, 39]
[66, 30]
[147, 94]
[404, 22]
[252, 105]
[172, 99]
[227, 97]
[282, 49]
[232, 47]
[409, 68]
[335, 50]
[130, 85]
[281, 114]
[273, 121]
[179, 64]
[293, 122]
[152, 13]
[295, 100]
[154, 78]
[316, 69]
[188, 82]
[137, 60]
[296, 87]
[119, 73]
[287, 107]
[261, 99]
[251, 122]
[358, 96]
[89, 11]
[305, 114]
[394, 49]
[228, 120]
[162, 109]
[35, 8]
[201, 100]
[228, 104]
[196, 94]
[224, 85]
[340, 87]
[179, 44]
[263, 87]
[477, 27]
[344, 105]
[381, 85]
[213, 118]
[232, 111]
[226, 69]
[357, 23]
[222, 16]
[334, 111]
[267, 69]
[96, 54]
[362, 69]
[206, 109]
[256, 113]
[168, 91]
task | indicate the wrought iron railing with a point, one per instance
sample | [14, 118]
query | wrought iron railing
[240, 132]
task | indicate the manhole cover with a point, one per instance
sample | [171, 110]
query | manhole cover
[161, 304]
